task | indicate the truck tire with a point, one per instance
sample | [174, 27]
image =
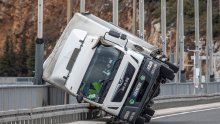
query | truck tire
[140, 120]
[150, 104]
[149, 111]
[167, 73]
[157, 92]
[147, 118]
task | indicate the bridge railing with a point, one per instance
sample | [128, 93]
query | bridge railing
[188, 88]
[16, 80]
[49, 115]
[13, 97]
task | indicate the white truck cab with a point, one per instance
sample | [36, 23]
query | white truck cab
[107, 67]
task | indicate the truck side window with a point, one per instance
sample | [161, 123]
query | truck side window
[101, 72]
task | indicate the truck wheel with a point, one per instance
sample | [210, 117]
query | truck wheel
[147, 118]
[79, 98]
[157, 93]
[167, 73]
[151, 103]
[140, 120]
[148, 111]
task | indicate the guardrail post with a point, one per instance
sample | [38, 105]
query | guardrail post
[82, 6]
[218, 87]
[39, 48]
[206, 89]
[141, 19]
[115, 12]
[176, 91]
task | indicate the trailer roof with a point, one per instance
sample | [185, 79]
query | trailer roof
[111, 26]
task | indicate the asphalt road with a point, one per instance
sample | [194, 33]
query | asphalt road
[200, 116]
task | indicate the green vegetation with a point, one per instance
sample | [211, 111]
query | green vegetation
[31, 58]
[171, 12]
[8, 62]
[20, 63]
[22, 57]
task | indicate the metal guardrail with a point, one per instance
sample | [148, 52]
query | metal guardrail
[24, 103]
[48, 115]
[22, 96]
[75, 112]
[185, 100]
[16, 80]
[179, 89]
[31, 96]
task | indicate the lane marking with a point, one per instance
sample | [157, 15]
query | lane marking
[182, 113]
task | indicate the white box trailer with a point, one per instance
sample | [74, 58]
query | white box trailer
[108, 67]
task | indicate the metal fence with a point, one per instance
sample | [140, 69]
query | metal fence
[20, 96]
[179, 89]
[16, 80]
[56, 96]
[48, 115]
[14, 97]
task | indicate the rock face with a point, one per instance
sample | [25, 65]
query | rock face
[19, 18]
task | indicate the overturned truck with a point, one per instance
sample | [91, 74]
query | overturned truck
[110, 68]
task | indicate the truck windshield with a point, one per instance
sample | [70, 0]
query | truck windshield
[100, 73]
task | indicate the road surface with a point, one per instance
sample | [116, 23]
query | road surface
[208, 114]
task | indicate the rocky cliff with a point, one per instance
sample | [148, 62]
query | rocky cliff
[18, 18]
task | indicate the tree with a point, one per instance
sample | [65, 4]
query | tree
[7, 63]
[22, 58]
[31, 58]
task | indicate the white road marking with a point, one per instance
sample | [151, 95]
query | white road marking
[181, 113]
